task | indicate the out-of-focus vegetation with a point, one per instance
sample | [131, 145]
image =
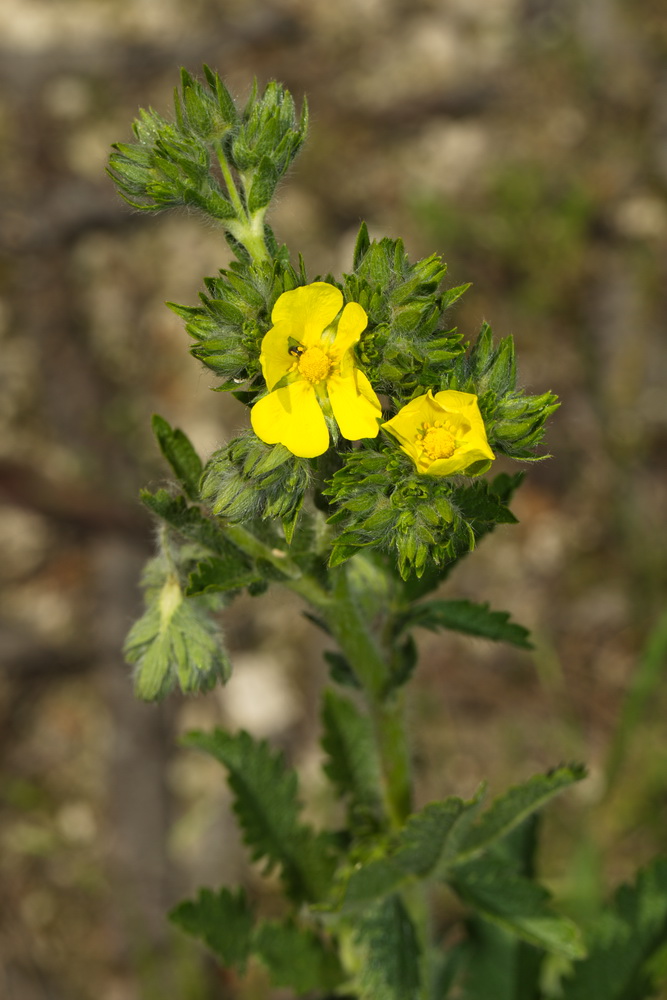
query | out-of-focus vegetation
[525, 140]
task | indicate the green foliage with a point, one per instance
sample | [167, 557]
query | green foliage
[352, 763]
[499, 965]
[442, 840]
[388, 953]
[404, 346]
[517, 903]
[464, 616]
[222, 920]
[192, 161]
[625, 938]
[180, 454]
[266, 804]
[297, 957]
[177, 641]
[517, 804]
[421, 521]
[515, 422]
[234, 314]
[249, 479]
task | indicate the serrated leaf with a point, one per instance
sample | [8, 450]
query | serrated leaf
[180, 454]
[423, 849]
[498, 965]
[352, 763]
[176, 642]
[267, 806]
[297, 958]
[515, 805]
[494, 890]
[222, 920]
[220, 574]
[467, 617]
[626, 936]
[389, 954]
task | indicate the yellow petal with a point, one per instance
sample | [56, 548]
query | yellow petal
[465, 403]
[355, 406]
[292, 416]
[274, 357]
[351, 325]
[308, 311]
[411, 417]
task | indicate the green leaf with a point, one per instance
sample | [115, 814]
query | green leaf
[222, 920]
[180, 454]
[219, 574]
[188, 521]
[515, 805]
[266, 804]
[498, 965]
[423, 849]
[297, 958]
[464, 616]
[389, 954]
[495, 891]
[627, 935]
[175, 643]
[352, 763]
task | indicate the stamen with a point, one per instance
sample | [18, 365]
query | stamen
[314, 364]
[438, 442]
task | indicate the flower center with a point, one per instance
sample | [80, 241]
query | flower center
[314, 364]
[438, 442]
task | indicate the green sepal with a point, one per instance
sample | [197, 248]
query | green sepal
[262, 184]
[266, 803]
[248, 479]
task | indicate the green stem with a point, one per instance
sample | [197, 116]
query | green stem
[371, 664]
[294, 578]
[248, 229]
[232, 190]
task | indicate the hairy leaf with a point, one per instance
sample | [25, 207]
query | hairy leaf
[626, 936]
[516, 805]
[464, 616]
[176, 642]
[180, 454]
[494, 890]
[266, 804]
[352, 763]
[297, 958]
[222, 920]
[389, 950]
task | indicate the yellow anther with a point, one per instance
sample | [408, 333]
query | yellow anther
[314, 364]
[438, 442]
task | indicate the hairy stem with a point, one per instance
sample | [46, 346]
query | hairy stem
[371, 664]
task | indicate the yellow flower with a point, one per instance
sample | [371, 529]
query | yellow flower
[443, 434]
[309, 366]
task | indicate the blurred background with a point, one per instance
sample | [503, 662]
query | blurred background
[525, 141]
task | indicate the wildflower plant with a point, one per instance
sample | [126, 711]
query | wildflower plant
[365, 474]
